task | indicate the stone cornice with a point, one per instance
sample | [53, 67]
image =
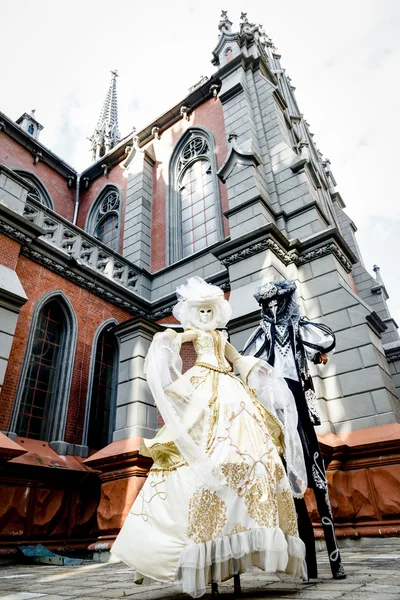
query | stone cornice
[27, 141]
[67, 267]
[139, 324]
[17, 227]
[376, 323]
[392, 351]
[289, 252]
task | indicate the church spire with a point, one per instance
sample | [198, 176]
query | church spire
[106, 134]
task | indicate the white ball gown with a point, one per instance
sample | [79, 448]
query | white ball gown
[217, 499]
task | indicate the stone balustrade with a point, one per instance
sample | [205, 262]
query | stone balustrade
[80, 245]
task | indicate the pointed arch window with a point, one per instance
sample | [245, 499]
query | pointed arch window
[37, 190]
[194, 205]
[44, 389]
[104, 218]
[102, 398]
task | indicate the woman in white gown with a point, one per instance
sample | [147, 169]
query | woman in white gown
[217, 499]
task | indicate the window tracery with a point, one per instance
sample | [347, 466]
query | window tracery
[194, 207]
[37, 190]
[103, 220]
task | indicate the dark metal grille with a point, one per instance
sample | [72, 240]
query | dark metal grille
[198, 217]
[102, 392]
[40, 382]
[107, 231]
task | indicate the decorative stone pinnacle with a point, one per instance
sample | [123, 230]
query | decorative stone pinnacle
[243, 17]
[378, 276]
[225, 24]
[214, 89]
[38, 156]
[155, 132]
[184, 112]
[106, 134]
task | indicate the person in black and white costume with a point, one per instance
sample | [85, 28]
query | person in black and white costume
[287, 340]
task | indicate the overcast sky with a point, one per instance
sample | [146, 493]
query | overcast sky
[343, 57]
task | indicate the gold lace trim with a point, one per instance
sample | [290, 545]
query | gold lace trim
[227, 369]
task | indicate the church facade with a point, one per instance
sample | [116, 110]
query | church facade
[228, 185]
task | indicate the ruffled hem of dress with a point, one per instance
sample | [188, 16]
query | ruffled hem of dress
[219, 559]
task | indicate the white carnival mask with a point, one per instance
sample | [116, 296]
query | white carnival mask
[206, 314]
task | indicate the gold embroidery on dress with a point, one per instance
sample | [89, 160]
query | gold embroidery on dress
[162, 496]
[207, 516]
[234, 473]
[214, 413]
[287, 513]
[265, 460]
[261, 502]
[238, 528]
[279, 472]
[197, 380]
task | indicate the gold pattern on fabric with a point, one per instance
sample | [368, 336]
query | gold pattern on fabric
[207, 516]
[266, 460]
[234, 473]
[213, 421]
[214, 387]
[238, 528]
[279, 472]
[218, 350]
[154, 493]
[205, 365]
[287, 513]
[261, 502]
[197, 380]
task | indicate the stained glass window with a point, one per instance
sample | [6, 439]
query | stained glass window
[39, 393]
[102, 396]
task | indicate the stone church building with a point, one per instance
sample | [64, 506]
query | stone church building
[228, 185]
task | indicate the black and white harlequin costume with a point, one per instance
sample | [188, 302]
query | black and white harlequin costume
[287, 340]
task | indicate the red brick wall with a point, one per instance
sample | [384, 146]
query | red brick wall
[117, 175]
[9, 252]
[90, 312]
[210, 115]
[14, 156]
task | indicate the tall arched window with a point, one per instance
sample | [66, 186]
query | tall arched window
[43, 393]
[104, 218]
[194, 206]
[37, 190]
[102, 396]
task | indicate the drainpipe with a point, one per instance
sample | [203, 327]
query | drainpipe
[78, 180]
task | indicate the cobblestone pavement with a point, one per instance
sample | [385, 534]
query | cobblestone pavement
[373, 573]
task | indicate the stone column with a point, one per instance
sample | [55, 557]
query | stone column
[137, 224]
[136, 413]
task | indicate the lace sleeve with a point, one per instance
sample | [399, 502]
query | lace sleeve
[274, 394]
[316, 339]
